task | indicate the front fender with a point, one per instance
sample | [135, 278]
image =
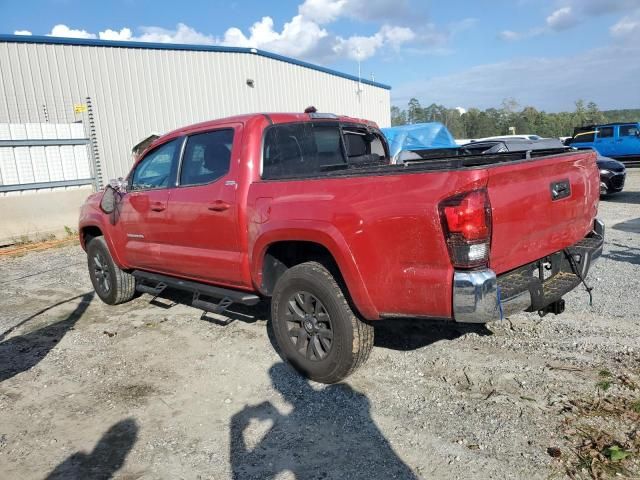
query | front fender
[92, 216]
[326, 235]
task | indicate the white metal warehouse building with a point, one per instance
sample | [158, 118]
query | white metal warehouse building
[72, 109]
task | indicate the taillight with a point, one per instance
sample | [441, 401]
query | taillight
[466, 221]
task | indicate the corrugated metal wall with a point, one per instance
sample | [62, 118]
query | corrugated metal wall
[136, 91]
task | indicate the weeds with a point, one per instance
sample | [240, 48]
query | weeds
[604, 431]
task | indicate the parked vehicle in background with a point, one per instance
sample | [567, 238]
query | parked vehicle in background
[419, 136]
[307, 211]
[612, 175]
[620, 141]
[612, 172]
[513, 144]
[509, 137]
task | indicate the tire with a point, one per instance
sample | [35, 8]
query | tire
[112, 284]
[315, 329]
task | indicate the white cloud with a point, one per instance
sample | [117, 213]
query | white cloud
[307, 35]
[108, 34]
[562, 19]
[22, 32]
[182, 34]
[322, 11]
[62, 30]
[571, 13]
[510, 35]
[298, 37]
[627, 27]
[552, 84]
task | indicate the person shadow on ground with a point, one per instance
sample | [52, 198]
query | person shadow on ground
[22, 352]
[105, 460]
[329, 433]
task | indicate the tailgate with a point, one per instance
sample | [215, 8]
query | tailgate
[528, 223]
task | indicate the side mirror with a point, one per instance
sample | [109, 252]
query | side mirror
[118, 184]
[109, 199]
[112, 194]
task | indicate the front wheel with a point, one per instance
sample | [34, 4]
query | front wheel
[112, 284]
[315, 329]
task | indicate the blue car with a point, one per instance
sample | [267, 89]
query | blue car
[614, 140]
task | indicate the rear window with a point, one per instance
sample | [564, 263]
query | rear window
[585, 137]
[605, 132]
[297, 149]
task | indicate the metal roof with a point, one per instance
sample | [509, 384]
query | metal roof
[177, 46]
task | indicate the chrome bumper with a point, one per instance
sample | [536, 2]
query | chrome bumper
[475, 298]
[476, 294]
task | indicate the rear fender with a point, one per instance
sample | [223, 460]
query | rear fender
[325, 235]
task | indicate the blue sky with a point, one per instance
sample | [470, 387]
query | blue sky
[544, 53]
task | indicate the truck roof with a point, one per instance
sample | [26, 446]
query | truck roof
[276, 117]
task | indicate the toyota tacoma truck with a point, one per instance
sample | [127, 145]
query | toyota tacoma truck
[307, 211]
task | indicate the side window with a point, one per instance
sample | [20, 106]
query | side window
[301, 149]
[605, 132]
[584, 137]
[363, 146]
[206, 157]
[157, 168]
[629, 130]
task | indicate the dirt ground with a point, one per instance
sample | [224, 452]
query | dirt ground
[152, 391]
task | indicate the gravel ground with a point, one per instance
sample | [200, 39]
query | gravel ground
[154, 391]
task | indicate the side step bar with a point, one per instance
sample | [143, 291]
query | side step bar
[160, 282]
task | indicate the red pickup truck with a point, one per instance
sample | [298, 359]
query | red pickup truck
[307, 211]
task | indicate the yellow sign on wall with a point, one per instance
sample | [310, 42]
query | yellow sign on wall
[80, 108]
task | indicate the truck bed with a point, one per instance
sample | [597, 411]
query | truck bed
[388, 222]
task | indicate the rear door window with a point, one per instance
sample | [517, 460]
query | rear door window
[605, 132]
[206, 157]
[300, 149]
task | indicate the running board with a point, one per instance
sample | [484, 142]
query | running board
[226, 295]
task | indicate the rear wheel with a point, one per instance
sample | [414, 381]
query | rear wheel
[112, 284]
[315, 328]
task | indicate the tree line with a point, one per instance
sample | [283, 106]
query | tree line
[476, 123]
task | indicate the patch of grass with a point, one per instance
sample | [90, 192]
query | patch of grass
[22, 240]
[602, 431]
[70, 232]
[615, 453]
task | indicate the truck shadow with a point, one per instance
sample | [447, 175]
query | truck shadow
[22, 352]
[106, 458]
[623, 253]
[411, 333]
[632, 226]
[327, 433]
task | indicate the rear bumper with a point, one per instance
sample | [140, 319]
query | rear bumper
[479, 296]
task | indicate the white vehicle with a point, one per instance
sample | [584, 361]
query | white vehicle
[508, 137]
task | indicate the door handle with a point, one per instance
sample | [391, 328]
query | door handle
[218, 206]
[157, 206]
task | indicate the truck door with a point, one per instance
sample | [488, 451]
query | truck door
[203, 210]
[628, 141]
[142, 213]
[605, 141]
